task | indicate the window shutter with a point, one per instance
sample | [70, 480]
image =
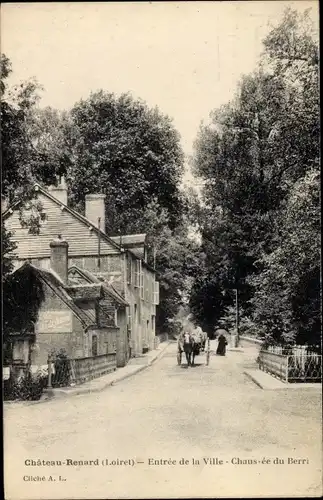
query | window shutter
[137, 273]
[141, 280]
[156, 293]
[129, 270]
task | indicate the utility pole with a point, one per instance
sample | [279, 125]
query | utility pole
[154, 257]
[237, 317]
[99, 242]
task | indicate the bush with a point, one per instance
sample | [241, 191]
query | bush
[27, 388]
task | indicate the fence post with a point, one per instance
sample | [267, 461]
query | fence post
[208, 352]
[286, 372]
[72, 378]
[49, 363]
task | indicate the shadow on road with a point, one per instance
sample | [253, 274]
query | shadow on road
[192, 366]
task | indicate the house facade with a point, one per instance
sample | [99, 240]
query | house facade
[71, 318]
[117, 262]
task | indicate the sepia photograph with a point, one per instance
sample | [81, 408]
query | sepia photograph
[161, 250]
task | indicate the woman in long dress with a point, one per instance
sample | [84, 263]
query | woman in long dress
[222, 343]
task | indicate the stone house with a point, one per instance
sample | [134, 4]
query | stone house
[118, 262]
[72, 317]
[113, 307]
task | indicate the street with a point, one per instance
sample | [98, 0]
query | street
[201, 431]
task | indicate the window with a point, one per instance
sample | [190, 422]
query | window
[156, 293]
[141, 281]
[137, 273]
[147, 287]
[139, 277]
[94, 345]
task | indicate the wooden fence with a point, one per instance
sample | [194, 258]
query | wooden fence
[297, 367]
[79, 370]
[275, 364]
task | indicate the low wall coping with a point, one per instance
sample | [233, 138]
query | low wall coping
[251, 339]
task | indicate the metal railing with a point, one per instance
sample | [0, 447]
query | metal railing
[305, 368]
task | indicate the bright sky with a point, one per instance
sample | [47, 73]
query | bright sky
[185, 57]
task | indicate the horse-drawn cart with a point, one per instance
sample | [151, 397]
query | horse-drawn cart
[192, 344]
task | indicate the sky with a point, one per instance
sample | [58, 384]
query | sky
[185, 57]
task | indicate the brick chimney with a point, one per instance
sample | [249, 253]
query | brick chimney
[59, 257]
[60, 191]
[95, 208]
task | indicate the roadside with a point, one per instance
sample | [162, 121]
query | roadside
[268, 382]
[265, 380]
[135, 365]
[172, 412]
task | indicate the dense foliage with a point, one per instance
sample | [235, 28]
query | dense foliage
[119, 146]
[260, 226]
[23, 294]
[132, 154]
[22, 161]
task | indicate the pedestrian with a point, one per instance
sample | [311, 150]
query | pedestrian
[204, 339]
[222, 343]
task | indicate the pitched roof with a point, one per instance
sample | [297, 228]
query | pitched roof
[135, 244]
[89, 291]
[137, 252]
[56, 284]
[92, 278]
[81, 218]
[128, 240]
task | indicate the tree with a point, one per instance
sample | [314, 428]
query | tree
[23, 163]
[287, 290]
[129, 152]
[256, 150]
[7, 249]
[173, 254]
[113, 145]
[23, 160]
[48, 131]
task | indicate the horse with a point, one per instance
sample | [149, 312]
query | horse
[187, 344]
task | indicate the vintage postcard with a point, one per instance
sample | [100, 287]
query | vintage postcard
[161, 250]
